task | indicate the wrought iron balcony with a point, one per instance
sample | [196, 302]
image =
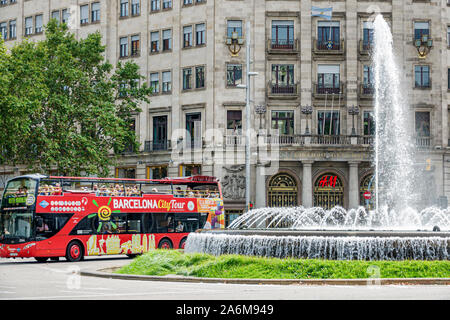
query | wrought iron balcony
[321, 92]
[282, 46]
[328, 47]
[280, 90]
[156, 145]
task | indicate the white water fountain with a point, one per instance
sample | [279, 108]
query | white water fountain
[394, 230]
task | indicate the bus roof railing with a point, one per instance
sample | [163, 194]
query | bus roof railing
[177, 180]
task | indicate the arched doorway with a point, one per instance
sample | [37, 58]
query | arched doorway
[282, 191]
[367, 184]
[328, 191]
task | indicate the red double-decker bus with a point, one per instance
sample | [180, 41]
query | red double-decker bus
[50, 217]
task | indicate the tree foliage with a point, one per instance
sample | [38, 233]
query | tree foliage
[63, 106]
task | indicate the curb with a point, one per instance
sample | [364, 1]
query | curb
[108, 273]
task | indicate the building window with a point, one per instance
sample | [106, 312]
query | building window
[167, 4]
[282, 34]
[187, 78]
[328, 78]
[154, 82]
[187, 2]
[84, 14]
[155, 5]
[420, 29]
[369, 123]
[422, 76]
[95, 12]
[194, 130]
[65, 15]
[126, 173]
[199, 77]
[12, 29]
[187, 36]
[135, 7]
[282, 78]
[234, 74]
[283, 122]
[154, 41]
[200, 34]
[422, 124]
[448, 36]
[160, 125]
[367, 35]
[135, 45]
[167, 81]
[28, 26]
[3, 31]
[234, 122]
[123, 47]
[187, 170]
[56, 16]
[368, 85]
[124, 8]
[328, 35]
[167, 39]
[234, 26]
[328, 122]
[38, 23]
[156, 172]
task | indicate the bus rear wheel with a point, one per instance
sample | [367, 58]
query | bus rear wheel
[182, 243]
[165, 244]
[74, 252]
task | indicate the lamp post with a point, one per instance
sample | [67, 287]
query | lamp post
[307, 110]
[248, 122]
[353, 110]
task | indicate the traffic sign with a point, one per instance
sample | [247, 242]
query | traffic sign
[367, 195]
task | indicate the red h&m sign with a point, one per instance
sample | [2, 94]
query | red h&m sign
[328, 181]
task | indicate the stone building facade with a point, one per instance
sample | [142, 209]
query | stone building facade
[196, 121]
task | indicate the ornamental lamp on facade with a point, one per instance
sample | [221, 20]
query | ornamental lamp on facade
[423, 45]
[234, 43]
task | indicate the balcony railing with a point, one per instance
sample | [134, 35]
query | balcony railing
[365, 47]
[282, 90]
[328, 47]
[285, 140]
[234, 140]
[157, 145]
[282, 45]
[423, 142]
[366, 90]
[330, 139]
[366, 140]
[321, 92]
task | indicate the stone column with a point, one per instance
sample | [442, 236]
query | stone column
[260, 188]
[141, 170]
[307, 199]
[353, 186]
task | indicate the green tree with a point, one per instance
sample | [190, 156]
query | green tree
[65, 106]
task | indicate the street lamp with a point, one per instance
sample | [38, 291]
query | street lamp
[307, 110]
[353, 110]
[247, 115]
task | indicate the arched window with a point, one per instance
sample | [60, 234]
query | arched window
[367, 185]
[282, 191]
[328, 191]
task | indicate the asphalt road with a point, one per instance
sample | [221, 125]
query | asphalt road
[26, 279]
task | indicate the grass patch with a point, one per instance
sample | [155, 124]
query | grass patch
[172, 262]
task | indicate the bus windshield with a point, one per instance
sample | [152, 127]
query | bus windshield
[15, 215]
[16, 226]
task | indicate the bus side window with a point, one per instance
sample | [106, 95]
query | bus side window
[134, 221]
[148, 222]
[88, 225]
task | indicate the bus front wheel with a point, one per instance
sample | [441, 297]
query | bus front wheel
[74, 252]
[165, 244]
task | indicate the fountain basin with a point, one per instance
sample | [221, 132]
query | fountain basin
[323, 244]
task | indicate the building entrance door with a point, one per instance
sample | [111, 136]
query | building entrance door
[328, 191]
[283, 191]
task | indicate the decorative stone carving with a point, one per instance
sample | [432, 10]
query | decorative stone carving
[233, 183]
